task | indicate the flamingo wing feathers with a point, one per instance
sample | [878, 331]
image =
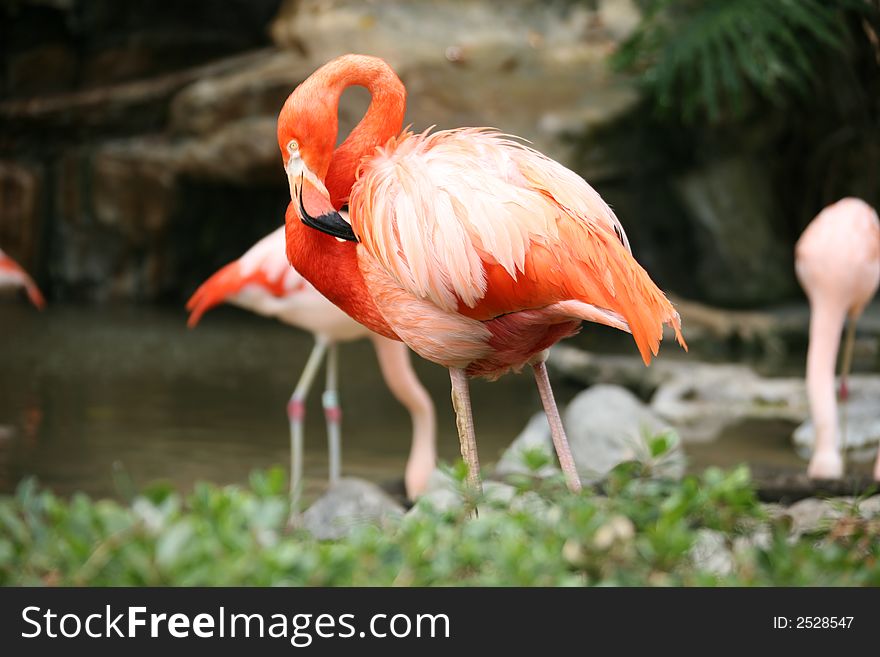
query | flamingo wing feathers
[483, 225]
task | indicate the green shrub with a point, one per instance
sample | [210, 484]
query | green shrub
[639, 531]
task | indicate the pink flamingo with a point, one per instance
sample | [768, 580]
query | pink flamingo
[475, 250]
[263, 282]
[13, 276]
[837, 261]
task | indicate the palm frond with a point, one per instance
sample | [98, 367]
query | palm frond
[716, 58]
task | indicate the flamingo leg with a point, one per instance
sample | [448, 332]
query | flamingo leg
[296, 413]
[333, 415]
[846, 361]
[845, 367]
[560, 442]
[464, 422]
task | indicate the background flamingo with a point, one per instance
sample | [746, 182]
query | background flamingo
[262, 281]
[837, 260]
[477, 251]
[13, 276]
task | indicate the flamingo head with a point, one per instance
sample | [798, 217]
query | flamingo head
[307, 127]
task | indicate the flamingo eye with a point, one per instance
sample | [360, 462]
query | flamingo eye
[293, 148]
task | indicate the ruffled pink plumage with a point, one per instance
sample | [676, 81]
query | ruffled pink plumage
[506, 247]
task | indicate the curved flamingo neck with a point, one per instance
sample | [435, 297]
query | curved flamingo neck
[332, 267]
[382, 121]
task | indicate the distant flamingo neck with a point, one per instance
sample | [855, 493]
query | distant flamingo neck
[331, 266]
[826, 322]
[383, 120]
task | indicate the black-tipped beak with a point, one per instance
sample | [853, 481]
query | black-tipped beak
[331, 223]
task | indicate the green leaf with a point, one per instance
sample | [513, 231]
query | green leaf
[169, 547]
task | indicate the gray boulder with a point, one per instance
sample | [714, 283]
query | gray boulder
[529, 69]
[445, 494]
[535, 437]
[606, 425]
[870, 508]
[352, 503]
[701, 399]
[711, 553]
[812, 514]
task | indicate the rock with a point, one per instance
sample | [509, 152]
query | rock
[761, 538]
[535, 437]
[241, 153]
[701, 400]
[722, 332]
[442, 493]
[528, 69]
[766, 338]
[606, 425]
[85, 105]
[115, 209]
[352, 503]
[619, 17]
[742, 261]
[861, 437]
[718, 332]
[717, 553]
[774, 510]
[728, 200]
[132, 190]
[127, 107]
[96, 262]
[812, 515]
[58, 45]
[445, 494]
[710, 552]
[120, 204]
[114, 72]
[870, 508]
[630, 372]
[258, 88]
